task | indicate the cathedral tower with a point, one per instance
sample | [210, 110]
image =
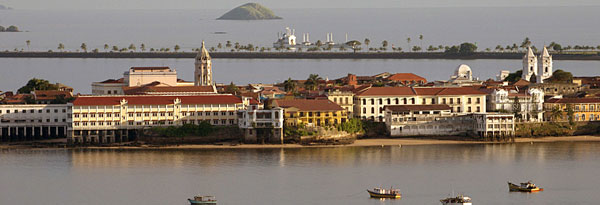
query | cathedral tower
[530, 65]
[545, 66]
[203, 72]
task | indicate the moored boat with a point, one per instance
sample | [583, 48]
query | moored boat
[524, 187]
[458, 200]
[385, 193]
[203, 200]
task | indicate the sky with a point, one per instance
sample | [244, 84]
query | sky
[275, 4]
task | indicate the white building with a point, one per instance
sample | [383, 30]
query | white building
[542, 68]
[494, 124]
[108, 119]
[287, 39]
[425, 120]
[462, 73]
[369, 103]
[34, 121]
[502, 75]
[203, 70]
[260, 126]
[530, 103]
[137, 77]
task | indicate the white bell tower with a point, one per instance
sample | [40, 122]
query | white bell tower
[545, 66]
[203, 72]
[530, 65]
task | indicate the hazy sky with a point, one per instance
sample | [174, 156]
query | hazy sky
[226, 4]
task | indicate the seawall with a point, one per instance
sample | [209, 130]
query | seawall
[297, 55]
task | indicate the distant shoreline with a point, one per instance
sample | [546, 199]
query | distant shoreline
[383, 142]
[297, 55]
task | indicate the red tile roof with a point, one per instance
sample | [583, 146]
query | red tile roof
[51, 94]
[416, 107]
[573, 100]
[410, 91]
[167, 89]
[401, 77]
[308, 105]
[156, 100]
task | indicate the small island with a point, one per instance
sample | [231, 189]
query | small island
[9, 29]
[249, 11]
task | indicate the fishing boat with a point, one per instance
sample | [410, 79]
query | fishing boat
[524, 187]
[385, 193]
[203, 200]
[458, 200]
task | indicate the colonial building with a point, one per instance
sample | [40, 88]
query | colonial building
[343, 98]
[34, 121]
[528, 104]
[260, 125]
[540, 68]
[369, 103]
[139, 77]
[425, 120]
[494, 124]
[584, 109]
[203, 71]
[311, 112]
[107, 119]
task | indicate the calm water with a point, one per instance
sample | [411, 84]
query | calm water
[568, 172]
[80, 73]
[487, 27]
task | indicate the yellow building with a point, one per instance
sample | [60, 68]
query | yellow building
[584, 109]
[311, 112]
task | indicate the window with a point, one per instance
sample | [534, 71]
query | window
[443, 100]
[478, 100]
[207, 113]
[199, 113]
[24, 111]
[170, 114]
[231, 122]
[63, 110]
[372, 101]
[130, 114]
[223, 113]
[162, 114]
[469, 100]
[55, 110]
[451, 100]
[47, 111]
[224, 122]
[31, 111]
[216, 113]
[468, 109]
[92, 115]
[215, 122]
[138, 114]
[372, 110]
[478, 109]
[458, 100]
[130, 123]
[364, 101]
[76, 115]
[154, 114]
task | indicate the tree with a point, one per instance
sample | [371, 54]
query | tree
[467, 48]
[416, 48]
[219, 46]
[83, 47]
[384, 44]
[28, 42]
[12, 29]
[312, 83]
[289, 85]
[132, 47]
[570, 114]
[408, 41]
[37, 84]
[232, 89]
[526, 43]
[115, 48]
[367, 42]
[319, 43]
[354, 44]
[514, 77]
[560, 76]
[143, 47]
[61, 46]
[421, 38]
[106, 47]
[556, 114]
[228, 44]
[176, 48]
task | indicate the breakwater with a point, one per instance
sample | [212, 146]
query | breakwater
[298, 55]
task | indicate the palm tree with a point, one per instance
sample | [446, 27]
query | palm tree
[556, 114]
[84, 47]
[132, 47]
[61, 46]
[219, 46]
[289, 85]
[384, 44]
[312, 83]
[421, 38]
[28, 42]
[228, 44]
[106, 47]
[367, 41]
[176, 48]
[408, 41]
[143, 47]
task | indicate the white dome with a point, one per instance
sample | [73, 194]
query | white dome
[463, 72]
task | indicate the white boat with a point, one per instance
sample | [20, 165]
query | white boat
[458, 200]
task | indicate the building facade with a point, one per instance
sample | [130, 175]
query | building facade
[311, 112]
[529, 105]
[494, 124]
[584, 109]
[345, 99]
[108, 119]
[369, 103]
[261, 126]
[540, 68]
[425, 120]
[139, 77]
[34, 121]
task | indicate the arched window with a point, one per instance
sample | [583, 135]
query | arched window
[582, 117]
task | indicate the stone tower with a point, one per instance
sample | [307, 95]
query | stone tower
[203, 72]
[545, 66]
[530, 65]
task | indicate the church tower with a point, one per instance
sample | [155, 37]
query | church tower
[545, 66]
[203, 72]
[530, 65]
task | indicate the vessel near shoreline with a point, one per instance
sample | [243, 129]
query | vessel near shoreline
[298, 55]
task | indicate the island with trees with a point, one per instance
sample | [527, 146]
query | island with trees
[249, 11]
[9, 29]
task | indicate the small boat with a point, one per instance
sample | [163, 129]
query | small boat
[385, 193]
[524, 187]
[202, 200]
[458, 200]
